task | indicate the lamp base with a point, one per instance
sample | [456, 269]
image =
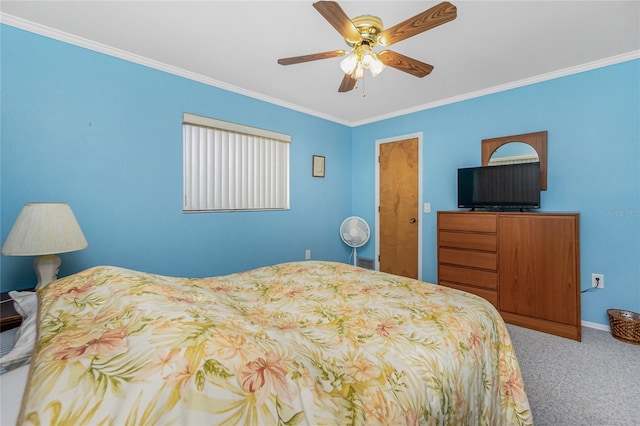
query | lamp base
[47, 268]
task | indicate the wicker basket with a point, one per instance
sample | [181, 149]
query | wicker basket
[625, 325]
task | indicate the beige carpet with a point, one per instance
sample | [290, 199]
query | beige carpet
[595, 382]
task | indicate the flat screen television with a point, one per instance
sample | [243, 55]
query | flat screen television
[511, 186]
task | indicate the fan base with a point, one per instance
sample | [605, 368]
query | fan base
[369, 27]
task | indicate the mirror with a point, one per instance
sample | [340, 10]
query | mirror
[513, 153]
[495, 150]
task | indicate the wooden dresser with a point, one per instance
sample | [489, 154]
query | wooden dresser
[467, 253]
[525, 264]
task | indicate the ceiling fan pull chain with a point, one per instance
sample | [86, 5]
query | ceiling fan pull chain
[364, 93]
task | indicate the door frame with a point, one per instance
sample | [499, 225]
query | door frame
[419, 214]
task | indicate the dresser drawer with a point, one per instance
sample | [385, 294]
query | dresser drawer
[473, 277]
[467, 240]
[475, 222]
[471, 259]
[490, 296]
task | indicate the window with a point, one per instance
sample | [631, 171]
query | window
[230, 166]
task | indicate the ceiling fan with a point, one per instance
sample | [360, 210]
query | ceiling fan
[363, 33]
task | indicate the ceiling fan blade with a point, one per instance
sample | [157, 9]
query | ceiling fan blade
[311, 57]
[348, 83]
[333, 13]
[430, 18]
[404, 63]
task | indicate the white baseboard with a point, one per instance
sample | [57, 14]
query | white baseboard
[596, 326]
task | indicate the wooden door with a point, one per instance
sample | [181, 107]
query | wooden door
[398, 210]
[538, 273]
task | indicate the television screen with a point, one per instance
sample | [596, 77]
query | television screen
[512, 186]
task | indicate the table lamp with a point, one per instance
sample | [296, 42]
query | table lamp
[44, 229]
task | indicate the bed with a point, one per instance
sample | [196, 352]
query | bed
[12, 384]
[295, 343]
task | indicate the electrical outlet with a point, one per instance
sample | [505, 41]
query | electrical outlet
[597, 280]
[307, 254]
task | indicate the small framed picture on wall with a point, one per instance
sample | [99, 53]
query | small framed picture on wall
[317, 166]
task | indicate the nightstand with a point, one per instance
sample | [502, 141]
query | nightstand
[9, 317]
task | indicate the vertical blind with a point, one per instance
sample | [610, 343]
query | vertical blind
[228, 166]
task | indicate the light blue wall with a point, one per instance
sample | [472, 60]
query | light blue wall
[593, 120]
[105, 135]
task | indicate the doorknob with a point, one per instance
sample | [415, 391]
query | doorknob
[412, 220]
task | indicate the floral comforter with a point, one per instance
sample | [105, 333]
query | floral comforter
[296, 343]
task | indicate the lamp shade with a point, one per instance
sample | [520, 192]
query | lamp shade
[44, 228]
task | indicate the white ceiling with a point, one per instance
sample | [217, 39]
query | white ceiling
[491, 46]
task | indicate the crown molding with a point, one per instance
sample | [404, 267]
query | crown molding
[53, 33]
[508, 86]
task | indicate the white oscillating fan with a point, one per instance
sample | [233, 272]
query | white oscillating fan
[355, 232]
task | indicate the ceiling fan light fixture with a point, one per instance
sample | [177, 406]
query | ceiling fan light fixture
[361, 57]
[370, 60]
[348, 64]
[376, 66]
[358, 72]
[367, 55]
